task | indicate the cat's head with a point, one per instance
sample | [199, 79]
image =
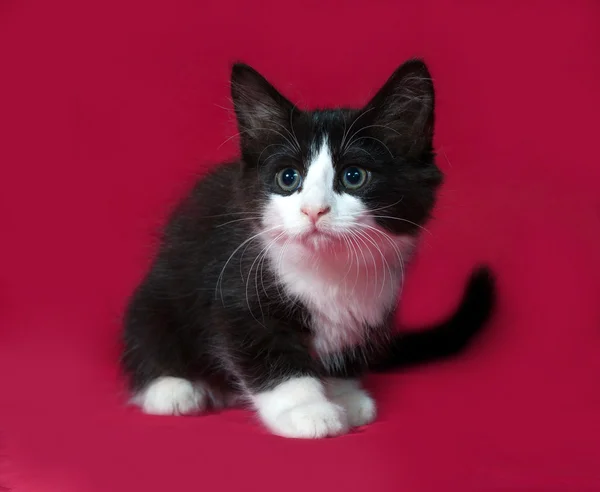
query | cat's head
[320, 176]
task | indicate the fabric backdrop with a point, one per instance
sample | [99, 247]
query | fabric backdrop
[109, 110]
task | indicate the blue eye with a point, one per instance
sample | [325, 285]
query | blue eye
[288, 179]
[354, 177]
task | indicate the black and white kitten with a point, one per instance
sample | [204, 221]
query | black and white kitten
[278, 276]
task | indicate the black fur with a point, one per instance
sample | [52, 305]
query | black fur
[205, 311]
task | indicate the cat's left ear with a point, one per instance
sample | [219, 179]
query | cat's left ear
[259, 107]
[403, 109]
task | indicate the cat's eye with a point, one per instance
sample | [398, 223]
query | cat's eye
[288, 179]
[354, 177]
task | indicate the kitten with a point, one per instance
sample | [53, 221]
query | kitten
[278, 276]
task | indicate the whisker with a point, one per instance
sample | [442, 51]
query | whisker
[353, 139]
[262, 263]
[262, 314]
[387, 127]
[356, 249]
[248, 130]
[342, 146]
[229, 110]
[364, 238]
[372, 138]
[237, 220]
[402, 220]
[365, 151]
[348, 247]
[387, 237]
[227, 215]
[270, 145]
[369, 212]
[294, 141]
[263, 251]
[293, 131]
[360, 237]
[374, 243]
[279, 268]
[396, 250]
[386, 206]
[219, 285]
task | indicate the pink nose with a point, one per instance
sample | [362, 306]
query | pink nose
[315, 213]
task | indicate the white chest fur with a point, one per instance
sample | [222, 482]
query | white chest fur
[344, 295]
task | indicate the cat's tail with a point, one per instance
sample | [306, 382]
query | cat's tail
[450, 337]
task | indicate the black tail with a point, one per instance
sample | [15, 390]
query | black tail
[450, 337]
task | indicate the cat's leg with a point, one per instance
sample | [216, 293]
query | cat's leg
[281, 380]
[344, 370]
[169, 395]
[360, 407]
[157, 359]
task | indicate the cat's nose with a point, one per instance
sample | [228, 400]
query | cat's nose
[315, 213]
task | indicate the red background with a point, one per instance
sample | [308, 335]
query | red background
[108, 110]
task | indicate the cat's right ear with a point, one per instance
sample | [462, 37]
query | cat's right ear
[403, 109]
[259, 107]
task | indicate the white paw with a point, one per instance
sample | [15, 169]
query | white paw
[299, 408]
[311, 421]
[358, 404]
[172, 396]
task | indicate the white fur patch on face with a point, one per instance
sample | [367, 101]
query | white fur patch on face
[288, 214]
[344, 268]
[299, 408]
[317, 188]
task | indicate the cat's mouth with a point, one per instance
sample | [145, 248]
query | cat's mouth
[315, 238]
[314, 234]
[318, 238]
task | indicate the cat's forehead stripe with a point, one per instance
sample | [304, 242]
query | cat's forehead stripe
[320, 167]
[319, 140]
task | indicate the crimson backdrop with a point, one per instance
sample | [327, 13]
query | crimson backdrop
[109, 109]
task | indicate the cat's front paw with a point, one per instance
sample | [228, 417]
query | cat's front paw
[311, 421]
[172, 396]
[360, 407]
[299, 408]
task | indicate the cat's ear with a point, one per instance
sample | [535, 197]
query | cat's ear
[259, 107]
[403, 109]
